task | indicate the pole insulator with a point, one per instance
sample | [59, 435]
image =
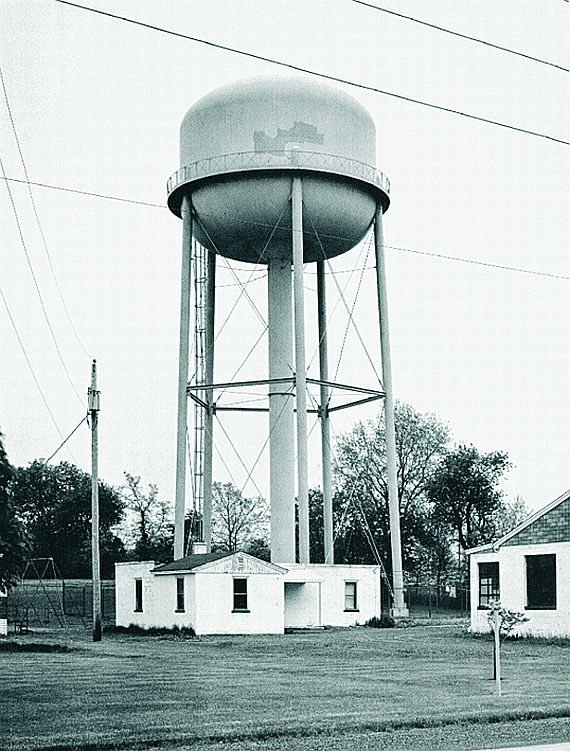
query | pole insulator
[93, 400]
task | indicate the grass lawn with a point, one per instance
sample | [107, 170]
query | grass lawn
[426, 687]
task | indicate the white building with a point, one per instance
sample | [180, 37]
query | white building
[235, 593]
[527, 570]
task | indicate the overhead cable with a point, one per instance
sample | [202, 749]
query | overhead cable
[36, 285]
[61, 445]
[29, 363]
[487, 264]
[458, 34]
[475, 262]
[85, 192]
[308, 71]
[39, 224]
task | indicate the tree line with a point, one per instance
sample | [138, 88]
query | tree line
[449, 499]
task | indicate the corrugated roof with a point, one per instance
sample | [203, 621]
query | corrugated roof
[191, 561]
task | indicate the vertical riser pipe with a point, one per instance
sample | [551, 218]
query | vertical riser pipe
[300, 370]
[281, 417]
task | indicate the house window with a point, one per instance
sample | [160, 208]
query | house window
[541, 582]
[488, 584]
[138, 596]
[180, 594]
[350, 601]
[240, 596]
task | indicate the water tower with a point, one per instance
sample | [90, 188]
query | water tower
[280, 172]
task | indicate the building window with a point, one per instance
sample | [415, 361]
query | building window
[138, 596]
[240, 596]
[180, 594]
[541, 582]
[488, 584]
[350, 601]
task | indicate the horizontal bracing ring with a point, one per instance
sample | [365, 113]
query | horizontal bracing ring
[268, 381]
[320, 411]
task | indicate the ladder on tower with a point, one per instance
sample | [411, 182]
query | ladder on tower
[199, 259]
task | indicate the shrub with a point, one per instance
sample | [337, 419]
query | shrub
[385, 621]
[508, 620]
[15, 646]
[176, 632]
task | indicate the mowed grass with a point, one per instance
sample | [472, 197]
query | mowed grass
[281, 691]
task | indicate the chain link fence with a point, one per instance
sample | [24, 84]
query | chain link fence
[58, 602]
[53, 602]
[437, 601]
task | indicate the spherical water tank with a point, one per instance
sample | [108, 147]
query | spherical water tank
[240, 147]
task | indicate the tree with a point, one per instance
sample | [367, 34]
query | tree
[54, 503]
[510, 515]
[148, 525]
[464, 493]
[259, 548]
[316, 526]
[236, 520]
[430, 558]
[361, 500]
[14, 540]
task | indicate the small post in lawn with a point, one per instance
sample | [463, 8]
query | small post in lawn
[497, 634]
[502, 621]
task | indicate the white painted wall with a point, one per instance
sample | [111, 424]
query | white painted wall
[313, 597]
[214, 593]
[125, 575]
[159, 597]
[512, 583]
[332, 580]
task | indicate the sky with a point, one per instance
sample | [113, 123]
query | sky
[477, 234]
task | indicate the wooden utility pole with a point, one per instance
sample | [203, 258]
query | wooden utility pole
[93, 410]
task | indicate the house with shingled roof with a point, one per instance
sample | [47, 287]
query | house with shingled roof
[527, 570]
[236, 593]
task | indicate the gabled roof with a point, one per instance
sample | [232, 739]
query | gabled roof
[242, 562]
[523, 525]
[191, 561]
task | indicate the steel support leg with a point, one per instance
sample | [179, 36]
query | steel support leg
[399, 609]
[324, 415]
[180, 494]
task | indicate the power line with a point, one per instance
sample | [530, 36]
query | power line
[85, 193]
[40, 228]
[31, 268]
[308, 71]
[475, 262]
[29, 363]
[458, 34]
[459, 259]
[61, 445]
